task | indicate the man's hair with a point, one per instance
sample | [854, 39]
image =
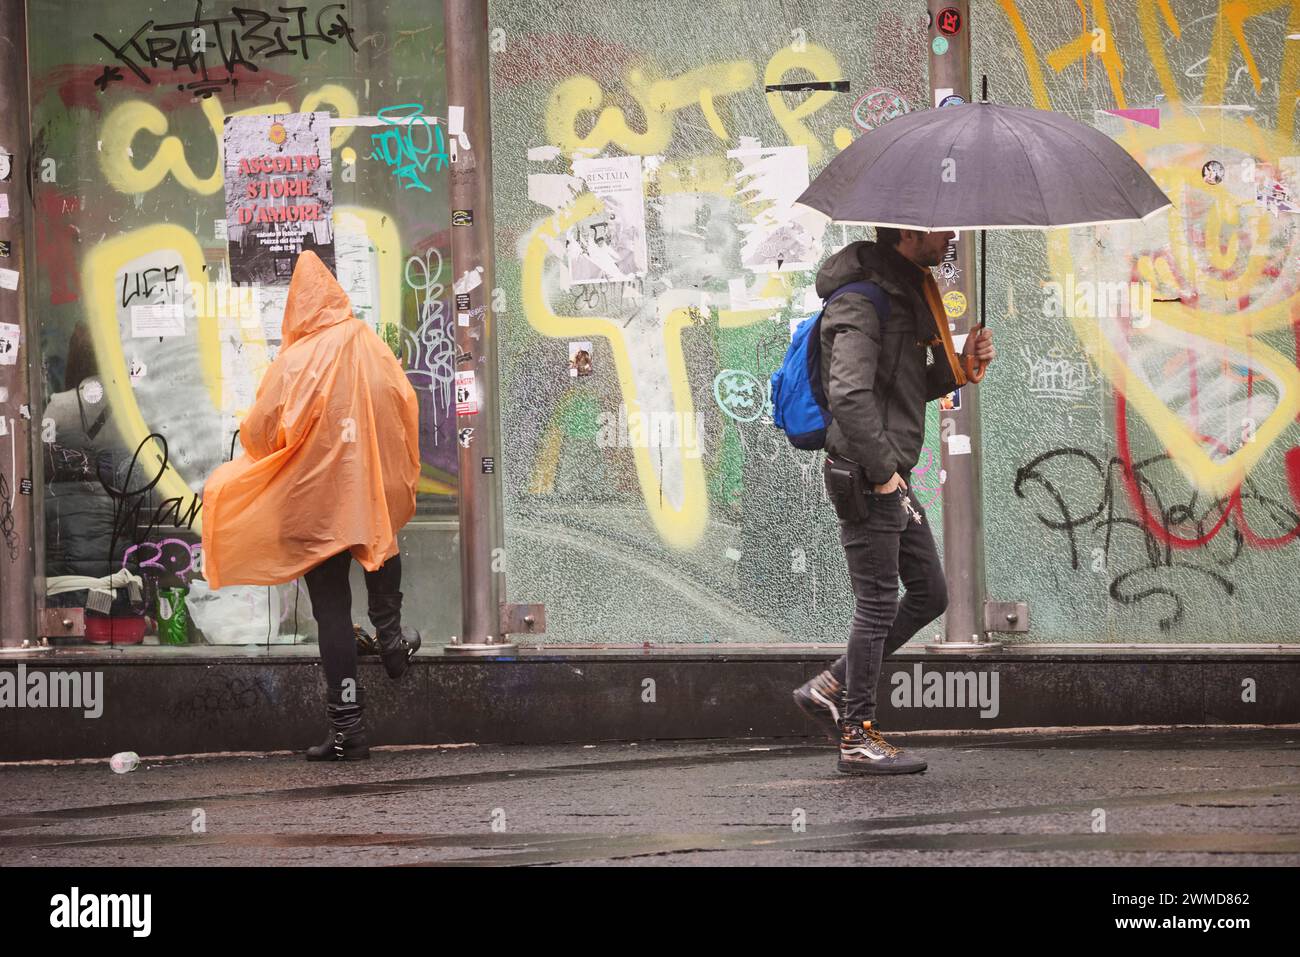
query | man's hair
[888, 236]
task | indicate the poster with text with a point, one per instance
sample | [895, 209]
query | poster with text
[279, 196]
[611, 246]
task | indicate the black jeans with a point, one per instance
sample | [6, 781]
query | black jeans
[331, 603]
[879, 550]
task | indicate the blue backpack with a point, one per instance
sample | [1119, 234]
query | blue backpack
[799, 406]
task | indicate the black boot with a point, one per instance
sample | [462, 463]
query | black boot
[347, 738]
[396, 644]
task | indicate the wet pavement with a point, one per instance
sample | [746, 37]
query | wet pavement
[1224, 797]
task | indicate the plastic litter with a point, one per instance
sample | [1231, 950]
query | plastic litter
[124, 761]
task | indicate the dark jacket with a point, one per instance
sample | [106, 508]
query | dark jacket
[878, 376]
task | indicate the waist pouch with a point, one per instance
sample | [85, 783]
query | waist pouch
[846, 486]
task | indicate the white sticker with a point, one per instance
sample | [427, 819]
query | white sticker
[471, 280]
[941, 94]
[92, 391]
[455, 120]
[958, 342]
[733, 554]
[456, 128]
[4, 205]
[466, 393]
[158, 319]
[959, 445]
[4, 426]
[8, 278]
[10, 335]
[462, 318]
[219, 229]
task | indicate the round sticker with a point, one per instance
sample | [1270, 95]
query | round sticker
[877, 107]
[949, 21]
[1212, 172]
[92, 391]
[277, 134]
[953, 100]
[954, 303]
[939, 46]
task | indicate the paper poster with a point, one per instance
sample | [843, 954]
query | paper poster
[610, 246]
[158, 319]
[279, 194]
[10, 333]
[580, 359]
[780, 235]
[959, 445]
[466, 393]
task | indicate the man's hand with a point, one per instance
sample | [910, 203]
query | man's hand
[980, 344]
[895, 482]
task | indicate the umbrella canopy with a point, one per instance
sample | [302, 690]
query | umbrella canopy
[984, 166]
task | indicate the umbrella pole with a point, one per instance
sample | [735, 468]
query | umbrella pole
[983, 270]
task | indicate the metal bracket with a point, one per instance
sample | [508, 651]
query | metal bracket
[1006, 616]
[62, 623]
[522, 619]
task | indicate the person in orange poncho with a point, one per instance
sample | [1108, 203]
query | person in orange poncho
[328, 474]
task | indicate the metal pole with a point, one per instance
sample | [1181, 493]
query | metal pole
[478, 423]
[21, 550]
[963, 526]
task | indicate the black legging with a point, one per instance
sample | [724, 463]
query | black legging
[331, 603]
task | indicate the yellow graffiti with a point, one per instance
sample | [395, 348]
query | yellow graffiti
[679, 526]
[579, 97]
[821, 63]
[1174, 323]
[1079, 49]
[660, 100]
[99, 272]
[116, 154]
[124, 123]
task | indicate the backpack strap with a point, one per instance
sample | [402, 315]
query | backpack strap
[879, 298]
[863, 287]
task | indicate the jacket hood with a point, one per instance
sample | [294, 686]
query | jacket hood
[866, 261]
[316, 300]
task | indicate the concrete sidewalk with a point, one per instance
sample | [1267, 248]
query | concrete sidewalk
[1220, 797]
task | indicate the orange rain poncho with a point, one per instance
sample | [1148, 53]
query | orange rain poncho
[331, 449]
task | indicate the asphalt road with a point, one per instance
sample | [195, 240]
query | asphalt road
[1229, 797]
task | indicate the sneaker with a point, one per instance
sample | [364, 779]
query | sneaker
[367, 644]
[864, 751]
[822, 699]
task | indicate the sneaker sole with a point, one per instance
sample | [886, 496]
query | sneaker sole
[855, 767]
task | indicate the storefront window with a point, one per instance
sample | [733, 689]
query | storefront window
[164, 244]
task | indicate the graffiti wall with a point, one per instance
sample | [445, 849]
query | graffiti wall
[1141, 468]
[184, 153]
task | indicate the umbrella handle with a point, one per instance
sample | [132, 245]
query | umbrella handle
[973, 368]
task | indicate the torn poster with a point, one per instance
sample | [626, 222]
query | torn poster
[279, 195]
[781, 235]
[10, 334]
[610, 246]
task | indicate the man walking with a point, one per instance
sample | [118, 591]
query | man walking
[879, 368]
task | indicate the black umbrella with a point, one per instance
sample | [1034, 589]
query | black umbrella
[984, 166]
